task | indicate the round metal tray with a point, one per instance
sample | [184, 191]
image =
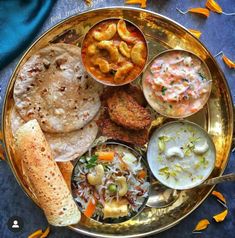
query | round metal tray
[216, 117]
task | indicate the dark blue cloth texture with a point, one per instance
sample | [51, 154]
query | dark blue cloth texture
[19, 22]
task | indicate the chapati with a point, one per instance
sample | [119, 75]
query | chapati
[53, 88]
[64, 146]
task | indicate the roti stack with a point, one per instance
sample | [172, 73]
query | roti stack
[44, 175]
[53, 88]
[64, 146]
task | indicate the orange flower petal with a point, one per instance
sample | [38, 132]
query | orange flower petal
[196, 33]
[203, 11]
[219, 196]
[228, 62]
[36, 234]
[201, 225]
[142, 3]
[45, 233]
[214, 6]
[1, 153]
[221, 216]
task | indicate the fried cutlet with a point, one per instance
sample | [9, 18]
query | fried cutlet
[110, 129]
[126, 112]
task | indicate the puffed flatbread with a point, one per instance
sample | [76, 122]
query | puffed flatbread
[46, 180]
[53, 88]
[64, 146]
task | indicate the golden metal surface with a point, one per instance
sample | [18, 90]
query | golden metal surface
[216, 117]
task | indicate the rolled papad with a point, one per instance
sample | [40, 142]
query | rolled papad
[44, 175]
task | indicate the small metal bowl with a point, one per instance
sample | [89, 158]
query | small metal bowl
[112, 220]
[175, 127]
[167, 108]
[84, 46]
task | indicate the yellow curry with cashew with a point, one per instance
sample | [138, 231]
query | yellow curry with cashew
[114, 51]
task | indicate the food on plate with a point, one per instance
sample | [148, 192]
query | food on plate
[69, 146]
[64, 146]
[177, 83]
[110, 183]
[106, 34]
[46, 180]
[114, 131]
[114, 51]
[181, 155]
[125, 111]
[66, 169]
[53, 88]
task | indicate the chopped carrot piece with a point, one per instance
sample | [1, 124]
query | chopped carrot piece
[90, 209]
[45, 233]
[36, 234]
[103, 155]
[142, 174]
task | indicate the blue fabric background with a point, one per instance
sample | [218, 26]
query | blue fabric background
[19, 22]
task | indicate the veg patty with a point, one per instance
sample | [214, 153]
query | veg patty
[125, 111]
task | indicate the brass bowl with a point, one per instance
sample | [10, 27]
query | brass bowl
[143, 162]
[85, 52]
[152, 153]
[157, 105]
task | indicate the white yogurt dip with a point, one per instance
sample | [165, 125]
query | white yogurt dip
[181, 155]
[177, 83]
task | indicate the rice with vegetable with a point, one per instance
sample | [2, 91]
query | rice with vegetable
[110, 183]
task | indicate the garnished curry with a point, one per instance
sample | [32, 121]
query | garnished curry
[114, 51]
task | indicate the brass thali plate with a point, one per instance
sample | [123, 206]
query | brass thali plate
[216, 117]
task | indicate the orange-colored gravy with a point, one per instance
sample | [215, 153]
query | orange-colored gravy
[95, 71]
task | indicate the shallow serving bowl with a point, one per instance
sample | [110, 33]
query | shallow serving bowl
[168, 109]
[216, 117]
[137, 155]
[84, 50]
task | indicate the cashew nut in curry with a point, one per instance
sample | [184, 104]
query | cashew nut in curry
[103, 64]
[137, 53]
[105, 34]
[111, 48]
[124, 33]
[122, 72]
[124, 49]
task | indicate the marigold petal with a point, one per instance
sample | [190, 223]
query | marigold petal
[228, 62]
[142, 3]
[1, 153]
[203, 11]
[220, 216]
[201, 225]
[36, 234]
[214, 6]
[196, 33]
[219, 196]
[45, 233]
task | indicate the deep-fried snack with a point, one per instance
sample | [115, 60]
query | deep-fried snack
[125, 111]
[136, 93]
[110, 129]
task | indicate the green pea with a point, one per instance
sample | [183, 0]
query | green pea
[112, 188]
